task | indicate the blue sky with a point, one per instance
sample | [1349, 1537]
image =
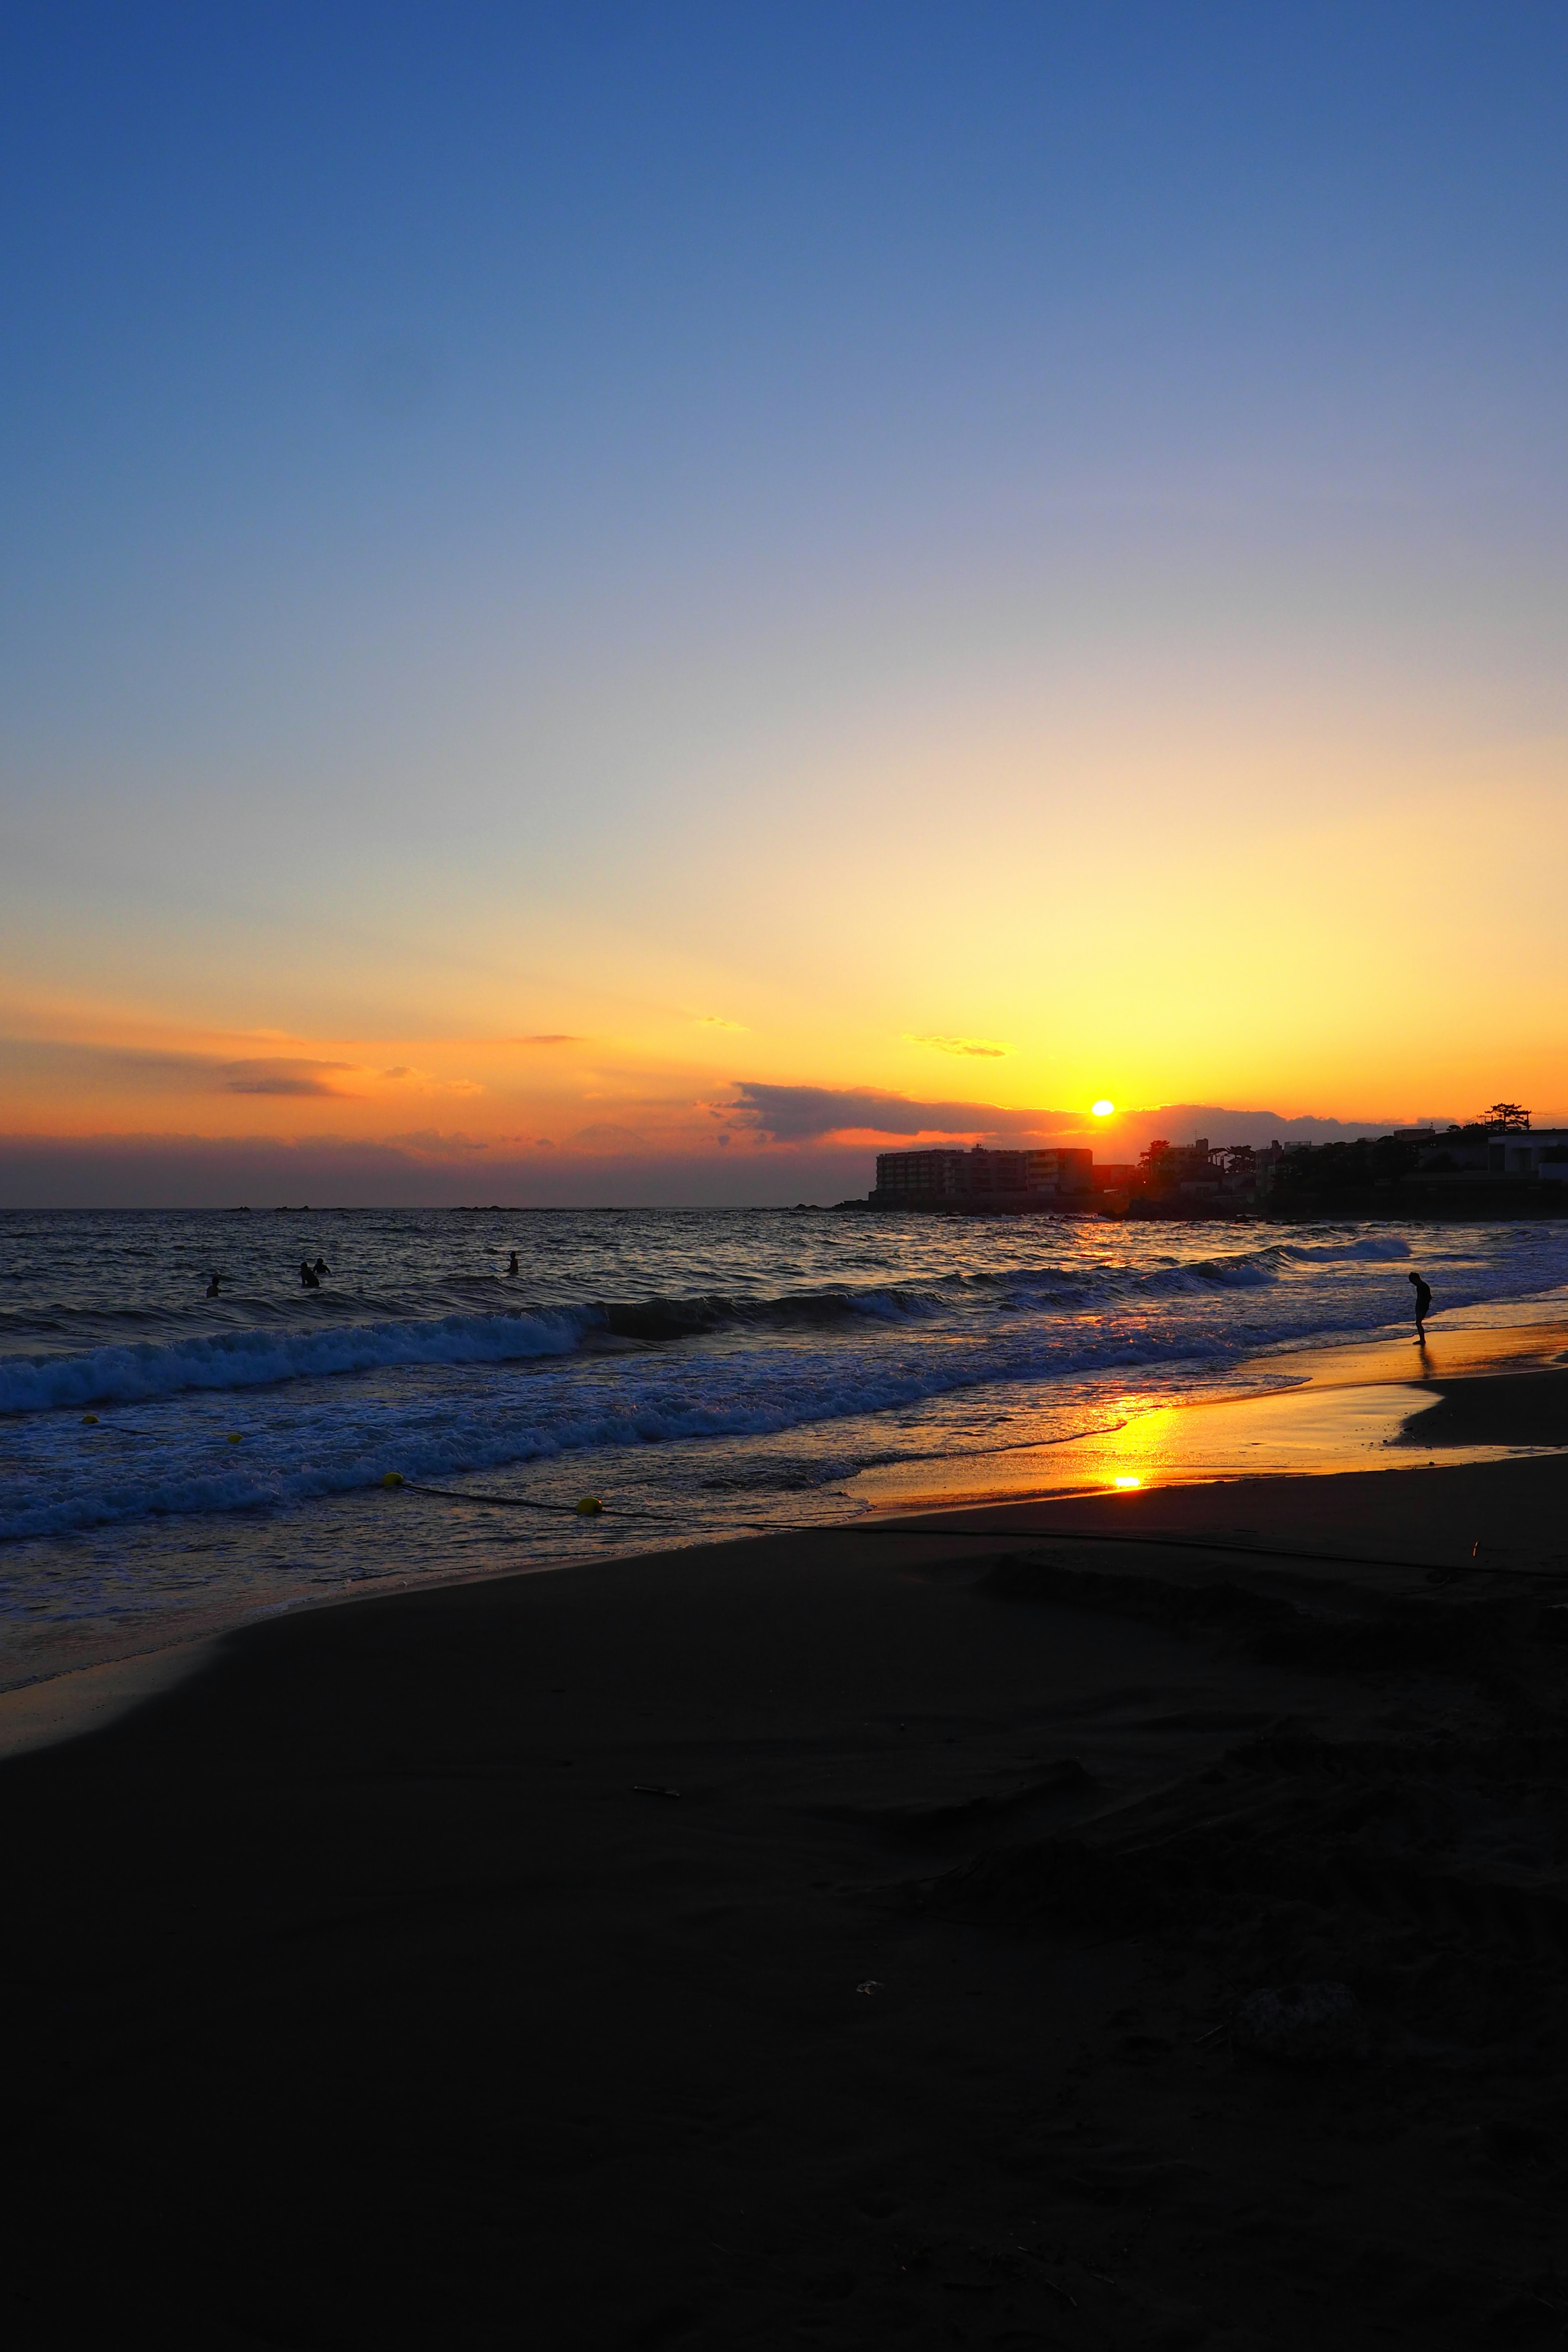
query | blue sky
[596, 519]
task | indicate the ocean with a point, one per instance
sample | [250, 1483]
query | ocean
[703, 1372]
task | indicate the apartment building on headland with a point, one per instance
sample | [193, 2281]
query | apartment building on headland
[1000, 1179]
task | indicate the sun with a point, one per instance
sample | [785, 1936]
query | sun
[1103, 1109]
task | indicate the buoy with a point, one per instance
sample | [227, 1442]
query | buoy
[589, 1508]
[393, 1478]
[236, 1437]
[89, 1420]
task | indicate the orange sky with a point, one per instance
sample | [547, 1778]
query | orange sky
[1068, 607]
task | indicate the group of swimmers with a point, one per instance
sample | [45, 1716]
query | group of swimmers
[310, 1276]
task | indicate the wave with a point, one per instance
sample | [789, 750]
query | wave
[1372, 1249]
[253, 1359]
[457, 1444]
[287, 1348]
[1029, 1319]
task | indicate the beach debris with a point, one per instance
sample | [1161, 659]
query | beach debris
[652, 1789]
[1301, 2022]
[589, 1508]
[393, 1478]
[871, 1985]
[1050, 2285]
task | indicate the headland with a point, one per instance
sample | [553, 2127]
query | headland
[1496, 1166]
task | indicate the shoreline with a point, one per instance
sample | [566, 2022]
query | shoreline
[1309, 1426]
[1330, 1409]
[1132, 1919]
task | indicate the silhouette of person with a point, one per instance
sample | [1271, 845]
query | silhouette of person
[308, 1275]
[512, 1267]
[1423, 1308]
[213, 1290]
[322, 1267]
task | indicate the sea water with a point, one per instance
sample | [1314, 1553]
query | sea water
[704, 1372]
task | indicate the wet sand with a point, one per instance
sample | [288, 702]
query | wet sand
[1129, 1919]
[1306, 1412]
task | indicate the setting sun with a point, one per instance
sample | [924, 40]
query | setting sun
[1103, 1109]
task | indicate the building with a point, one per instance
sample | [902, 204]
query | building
[1499, 1143]
[976, 1178]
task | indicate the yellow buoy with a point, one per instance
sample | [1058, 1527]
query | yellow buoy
[89, 1420]
[589, 1508]
[393, 1478]
[236, 1437]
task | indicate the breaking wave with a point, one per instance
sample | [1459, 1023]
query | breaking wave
[262, 1354]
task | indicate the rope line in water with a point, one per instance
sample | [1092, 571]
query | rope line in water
[532, 1502]
[1473, 1567]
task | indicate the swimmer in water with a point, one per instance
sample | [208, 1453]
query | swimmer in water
[512, 1267]
[213, 1290]
[322, 1267]
[308, 1275]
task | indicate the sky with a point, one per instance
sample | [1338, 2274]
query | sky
[630, 603]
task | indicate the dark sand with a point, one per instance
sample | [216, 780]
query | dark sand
[372, 1987]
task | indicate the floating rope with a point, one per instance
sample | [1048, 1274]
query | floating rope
[1472, 1566]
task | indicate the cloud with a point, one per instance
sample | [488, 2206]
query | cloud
[426, 1083]
[713, 1021]
[552, 1037]
[804, 1114]
[962, 1046]
[280, 1078]
[605, 1135]
[165, 1170]
[281, 1087]
[147, 1067]
[807, 1114]
[430, 1140]
[1180, 1122]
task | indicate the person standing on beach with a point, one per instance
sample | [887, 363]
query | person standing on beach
[1423, 1305]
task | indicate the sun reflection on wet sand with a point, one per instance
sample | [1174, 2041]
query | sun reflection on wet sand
[1306, 1429]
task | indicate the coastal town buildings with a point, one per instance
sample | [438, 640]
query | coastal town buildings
[1495, 1164]
[1480, 1150]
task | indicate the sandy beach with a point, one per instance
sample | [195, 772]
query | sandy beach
[1128, 1918]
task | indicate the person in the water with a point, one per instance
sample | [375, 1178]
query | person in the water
[213, 1290]
[512, 1267]
[322, 1267]
[1423, 1308]
[308, 1275]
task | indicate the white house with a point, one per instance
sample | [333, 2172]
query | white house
[1542, 1152]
